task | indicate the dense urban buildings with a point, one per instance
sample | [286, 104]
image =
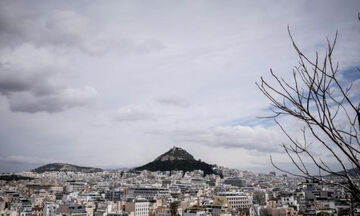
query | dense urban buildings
[68, 190]
[165, 193]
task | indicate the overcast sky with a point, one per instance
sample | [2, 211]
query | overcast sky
[116, 83]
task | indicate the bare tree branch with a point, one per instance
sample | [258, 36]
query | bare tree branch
[317, 98]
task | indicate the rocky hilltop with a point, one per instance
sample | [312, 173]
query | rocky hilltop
[175, 153]
[64, 167]
[177, 159]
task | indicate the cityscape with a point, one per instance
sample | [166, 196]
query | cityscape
[63, 189]
[179, 108]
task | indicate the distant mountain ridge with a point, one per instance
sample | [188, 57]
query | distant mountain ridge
[64, 167]
[177, 159]
[351, 172]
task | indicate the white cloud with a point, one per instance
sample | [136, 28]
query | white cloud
[190, 74]
[64, 29]
[57, 27]
[67, 25]
[250, 138]
[133, 113]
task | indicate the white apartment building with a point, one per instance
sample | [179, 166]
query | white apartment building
[287, 200]
[162, 211]
[138, 207]
[50, 209]
[75, 186]
[148, 193]
[237, 200]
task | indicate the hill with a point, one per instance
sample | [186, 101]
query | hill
[177, 159]
[352, 172]
[58, 167]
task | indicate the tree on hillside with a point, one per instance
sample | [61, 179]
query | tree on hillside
[329, 109]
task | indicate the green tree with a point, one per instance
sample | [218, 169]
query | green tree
[173, 208]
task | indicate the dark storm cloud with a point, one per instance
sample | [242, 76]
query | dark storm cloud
[14, 79]
[43, 37]
[54, 102]
[29, 79]
[29, 69]
[9, 83]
